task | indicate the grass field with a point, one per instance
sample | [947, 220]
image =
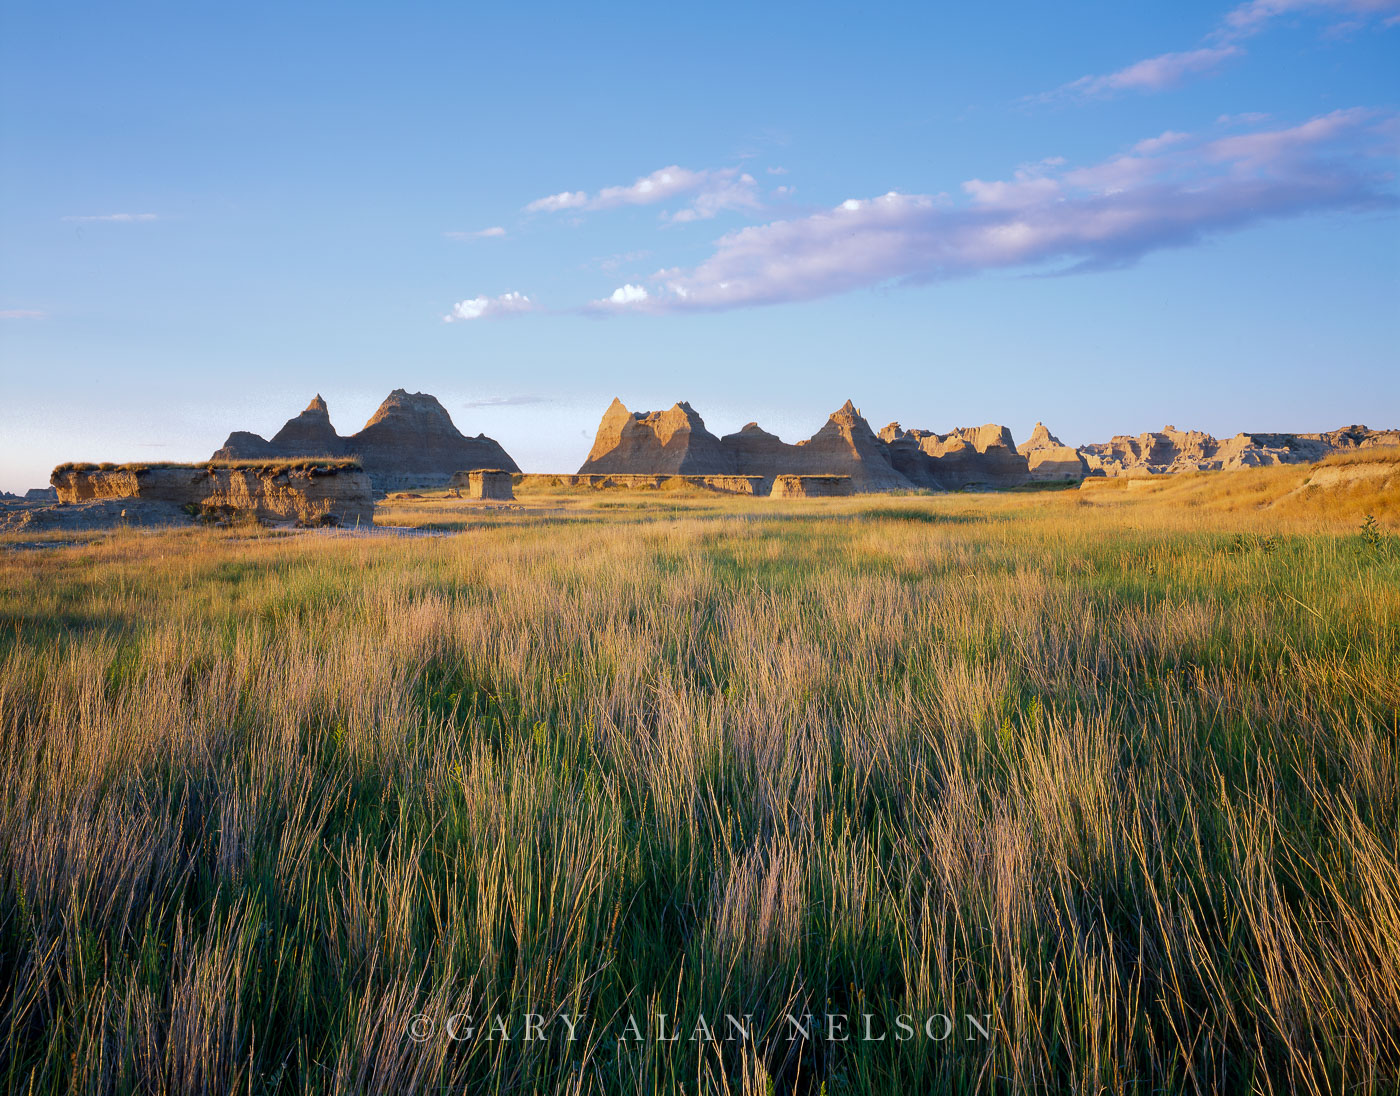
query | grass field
[1116, 775]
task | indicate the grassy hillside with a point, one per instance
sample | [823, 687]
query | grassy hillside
[1345, 487]
[1118, 779]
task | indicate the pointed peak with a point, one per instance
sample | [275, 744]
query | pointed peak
[318, 404]
[617, 404]
[848, 408]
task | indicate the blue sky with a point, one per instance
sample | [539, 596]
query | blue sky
[1104, 216]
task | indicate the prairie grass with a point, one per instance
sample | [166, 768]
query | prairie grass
[1119, 781]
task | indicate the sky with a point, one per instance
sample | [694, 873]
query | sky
[1107, 217]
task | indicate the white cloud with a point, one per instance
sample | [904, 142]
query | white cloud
[628, 294]
[21, 314]
[478, 308]
[509, 401]
[713, 191]
[555, 202]
[1161, 141]
[121, 218]
[492, 233]
[777, 170]
[1163, 194]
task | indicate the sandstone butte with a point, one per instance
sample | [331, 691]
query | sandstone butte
[409, 442]
[677, 443]
[308, 493]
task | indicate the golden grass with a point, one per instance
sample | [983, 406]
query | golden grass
[1122, 779]
[1340, 490]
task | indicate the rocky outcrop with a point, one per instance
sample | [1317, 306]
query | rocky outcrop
[812, 487]
[485, 483]
[410, 441]
[603, 481]
[847, 446]
[676, 442]
[1171, 450]
[970, 456]
[310, 433]
[1049, 459]
[333, 493]
[1040, 438]
[41, 494]
[673, 441]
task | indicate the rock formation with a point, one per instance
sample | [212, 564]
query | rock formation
[1048, 458]
[1171, 450]
[970, 456]
[602, 481]
[308, 493]
[676, 442]
[811, 487]
[485, 483]
[673, 441]
[410, 441]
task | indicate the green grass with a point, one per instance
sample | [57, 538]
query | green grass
[1124, 780]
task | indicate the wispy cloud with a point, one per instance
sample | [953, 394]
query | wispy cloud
[22, 314]
[1152, 74]
[1252, 17]
[1170, 69]
[1247, 118]
[480, 308]
[508, 401]
[555, 202]
[622, 258]
[119, 218]
[708, 192]
[1170, 191]
[492, 233]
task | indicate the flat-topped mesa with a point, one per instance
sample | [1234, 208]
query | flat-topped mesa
[674, 441]
[335, 492]
[409, 442]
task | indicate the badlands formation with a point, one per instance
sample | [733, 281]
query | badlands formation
[409, 442]
[637, 444]
[306, 493]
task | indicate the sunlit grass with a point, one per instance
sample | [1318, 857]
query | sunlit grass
[1122, 776]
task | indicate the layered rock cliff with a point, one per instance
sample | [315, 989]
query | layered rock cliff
[336, 493]
[409, 442]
